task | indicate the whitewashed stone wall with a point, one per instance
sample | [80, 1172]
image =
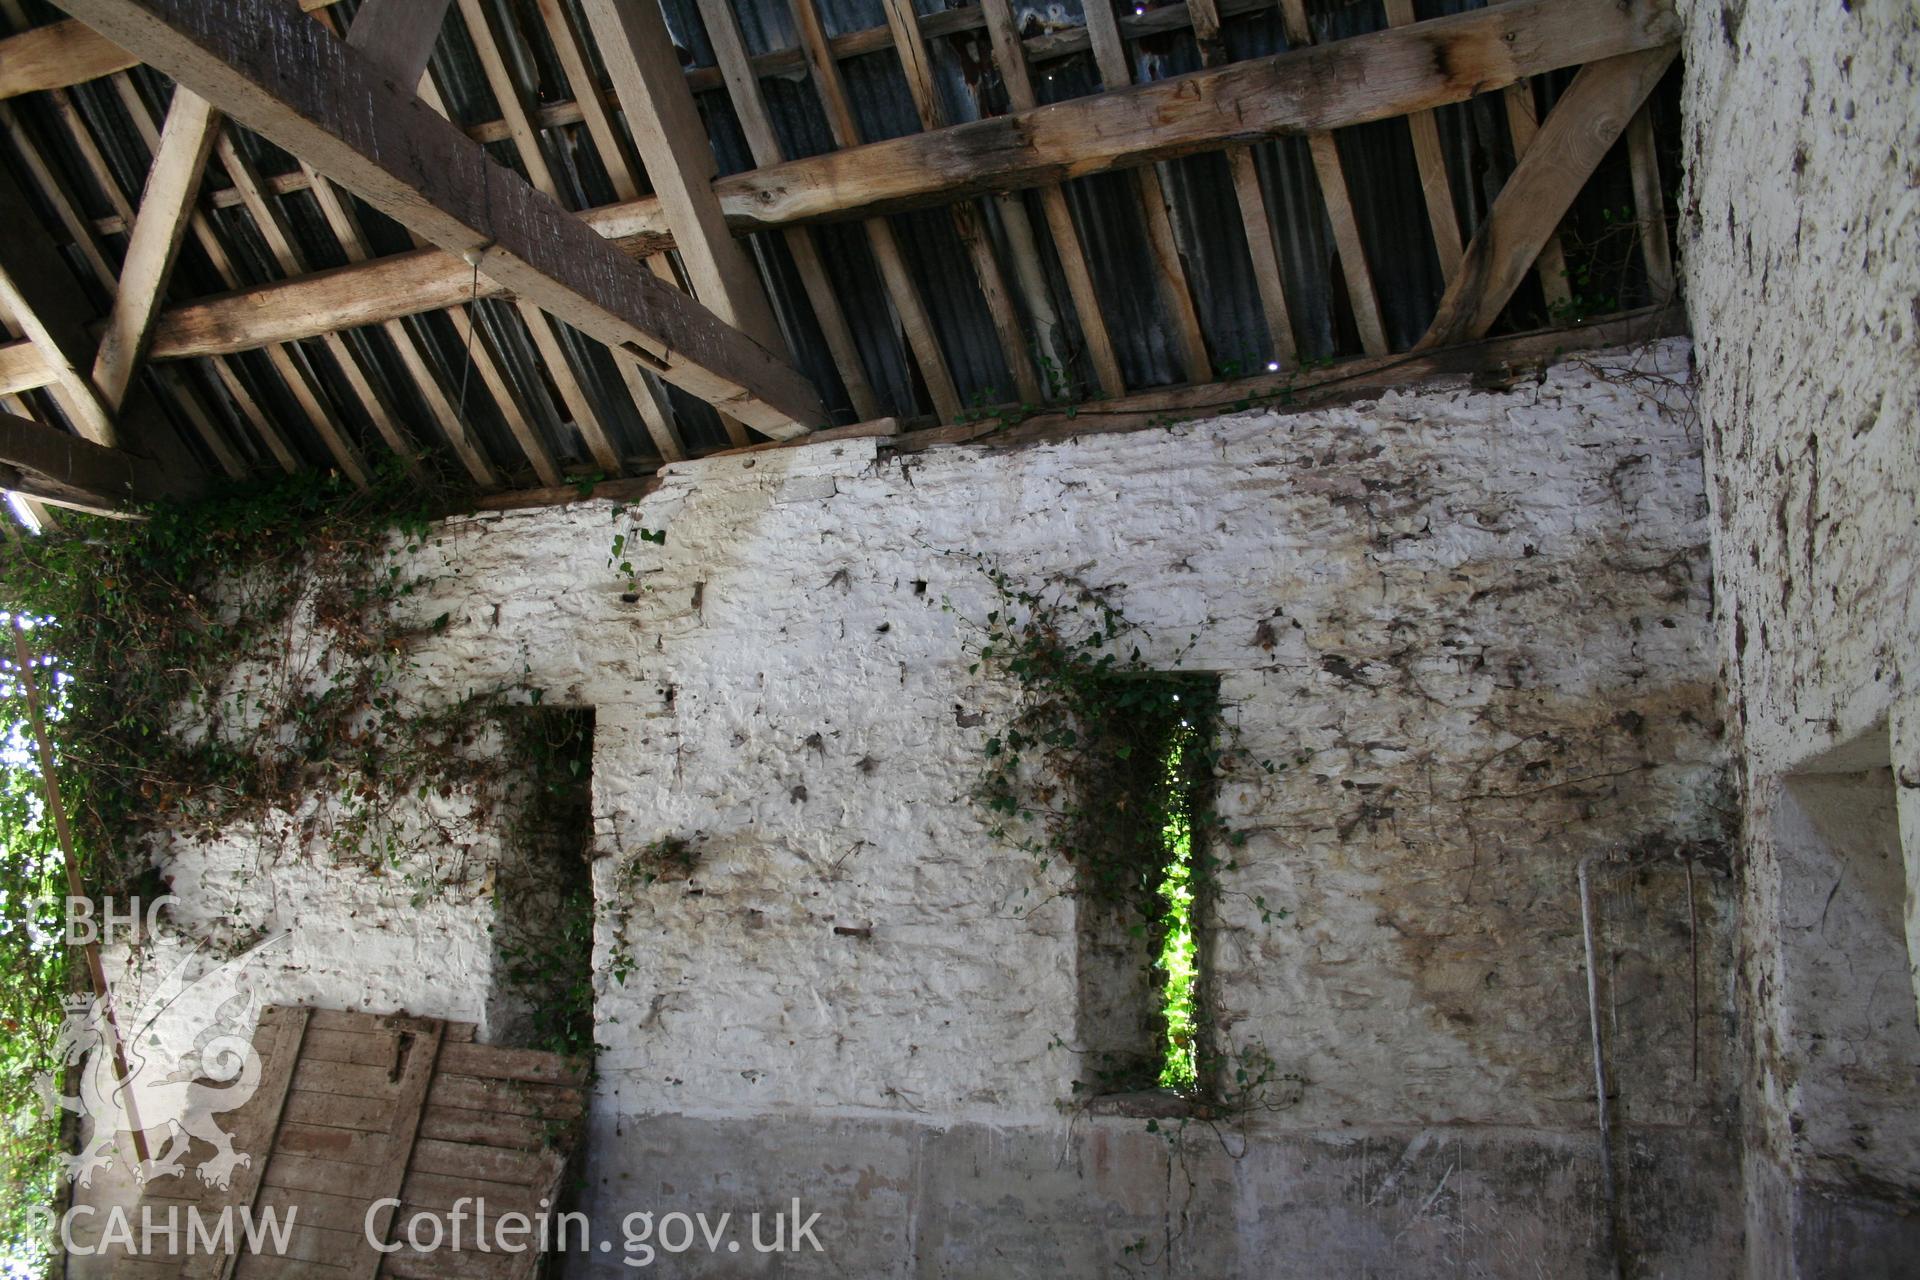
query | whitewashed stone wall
[1480, 617]
[1802, 215]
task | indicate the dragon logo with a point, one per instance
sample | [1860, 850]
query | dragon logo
[187, 1060]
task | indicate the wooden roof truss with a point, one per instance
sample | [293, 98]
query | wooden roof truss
[667, 285]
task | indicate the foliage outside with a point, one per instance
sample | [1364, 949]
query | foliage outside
[33, 977]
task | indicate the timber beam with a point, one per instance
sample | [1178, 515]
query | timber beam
[46, 463]
[305, 90]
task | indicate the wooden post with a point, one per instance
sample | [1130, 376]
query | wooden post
[50, 785]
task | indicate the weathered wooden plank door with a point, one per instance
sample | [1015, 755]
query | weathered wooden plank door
[353, 1109]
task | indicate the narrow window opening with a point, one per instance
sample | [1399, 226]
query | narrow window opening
[1143, 904]
[1178, 963]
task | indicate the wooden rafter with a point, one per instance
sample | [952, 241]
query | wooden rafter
[1170, 272]
[39, 294]
[1255, 220]
[672, 141]
[1650, 206]
[1338, 197]
[673, 146]
[479, 353]
[54, 190]
[1396, 72]
[1424, 129]
[1523, 125]
[166, 209]
[1011, 57]
[750, 107]
[1587, 120]
[296, 85]
[398, 37]
[902, 292]
[916, 63]
[173, 378]
[210, 243]
[249, 406]
[525, 139]
[295, 369]
[648, 396]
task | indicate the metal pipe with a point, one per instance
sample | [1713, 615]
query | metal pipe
[1599, 1071]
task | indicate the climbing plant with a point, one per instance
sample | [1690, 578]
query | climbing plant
[228, 656]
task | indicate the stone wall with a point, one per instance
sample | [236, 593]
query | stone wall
[1477, 620]
[1802, 212]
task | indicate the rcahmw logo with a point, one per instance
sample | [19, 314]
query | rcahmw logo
[169, 1231]
[188, 1061]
